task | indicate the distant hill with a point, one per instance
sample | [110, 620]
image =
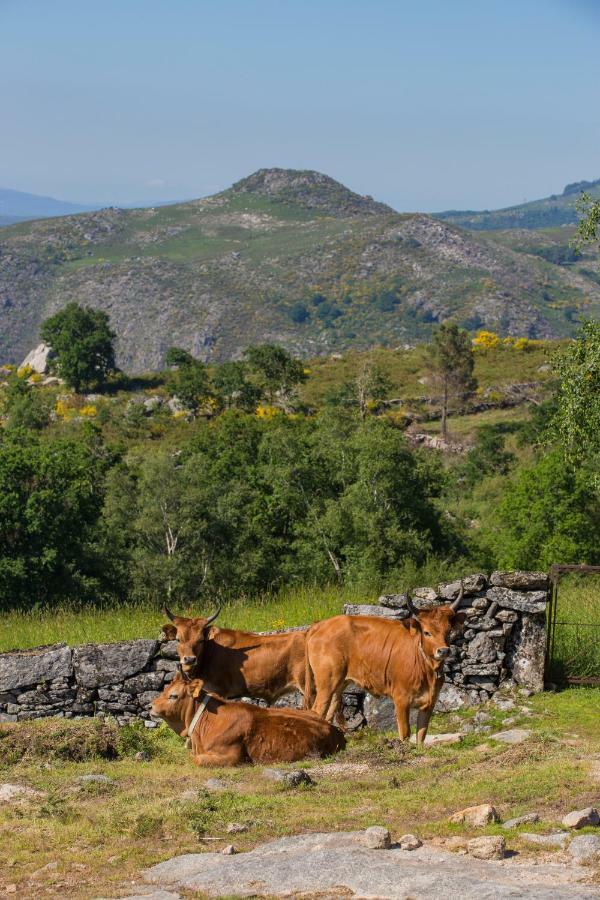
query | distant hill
[17, 205]
[287, 256]
[550, 212]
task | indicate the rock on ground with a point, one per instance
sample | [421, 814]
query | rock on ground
[19, 793]
[557, 839]
[581, 817]
[332, 864]
[526, 819]
[585, 848]
[434, 740]
[488, 847]
[512, 736]
[477, 816]
[377, 838]
[38, 358]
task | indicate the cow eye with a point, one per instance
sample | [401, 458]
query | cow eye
[173, 696]
[427, 633]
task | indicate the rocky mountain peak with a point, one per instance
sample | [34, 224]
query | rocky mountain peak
[310, 190]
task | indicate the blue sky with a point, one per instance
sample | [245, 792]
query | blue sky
[429, 105]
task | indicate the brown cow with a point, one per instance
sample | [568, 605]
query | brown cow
[228, 732]
[401, 659]
[239, 663]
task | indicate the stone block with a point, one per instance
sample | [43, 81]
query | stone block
[99, 664]
[23, 668]
[532, 602]
[520, 581]
[449, 590]
[366, 609]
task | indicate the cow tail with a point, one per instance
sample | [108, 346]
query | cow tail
[309, 682]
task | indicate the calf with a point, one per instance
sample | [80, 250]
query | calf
[238, 663]
[402, 659]
[228, 733]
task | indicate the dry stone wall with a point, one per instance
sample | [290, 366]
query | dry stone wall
[502, 645]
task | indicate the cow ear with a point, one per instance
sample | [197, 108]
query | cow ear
[414, 625]
[170, 632]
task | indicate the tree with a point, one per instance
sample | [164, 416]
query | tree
[24, 405]
[550, 513]
[51, 495]
[83, 342]
[588, 229]
[278, 373]
[366, 391]
[190, 380]
[453, 364]
[577, 419]
[233, 387]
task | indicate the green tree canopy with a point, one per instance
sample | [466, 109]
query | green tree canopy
[453, 363]
[277, 372]
[577, 419]
[190, 380]
[51, 495]
[83, 342]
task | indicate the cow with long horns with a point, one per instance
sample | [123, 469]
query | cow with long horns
[402, 659]
[238, 663]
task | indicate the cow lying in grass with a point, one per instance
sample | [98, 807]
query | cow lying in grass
[228, 733]
[403, 660]
[238, 663]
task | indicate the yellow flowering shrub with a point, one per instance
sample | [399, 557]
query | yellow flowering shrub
[266, 412]
[486, 340]
[64, 411]
[25, 371]
[35, 378]
[88, 410]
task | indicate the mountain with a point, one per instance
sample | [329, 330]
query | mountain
[17, 205]
[550, 212]
[287, 256]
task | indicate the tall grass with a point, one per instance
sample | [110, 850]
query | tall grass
[292, 605]
[577, 637]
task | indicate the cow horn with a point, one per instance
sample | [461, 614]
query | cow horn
[169, 614]
[456, 603]
[214, 616]
[410, 605]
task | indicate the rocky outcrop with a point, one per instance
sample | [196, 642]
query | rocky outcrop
[38, 358]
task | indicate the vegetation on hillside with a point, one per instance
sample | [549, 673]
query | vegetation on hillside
[237, 485]
[284, 257]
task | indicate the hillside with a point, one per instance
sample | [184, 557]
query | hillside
[285, 256]
[550, 212]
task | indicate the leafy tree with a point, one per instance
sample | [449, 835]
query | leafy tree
[550, 513]
[51, 495]
[190, 380]
[83, 342]
[488, 456]
[23, 405]
[233, 387]
[365, 391]
[278, 373]
[453, 362]
[577, 420]
[588, 228]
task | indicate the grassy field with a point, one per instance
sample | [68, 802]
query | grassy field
[576, 649]
[91, 839]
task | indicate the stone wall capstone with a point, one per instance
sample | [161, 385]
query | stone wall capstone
[501, 645]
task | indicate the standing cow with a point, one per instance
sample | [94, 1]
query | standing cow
[238, 663]
[402, 659]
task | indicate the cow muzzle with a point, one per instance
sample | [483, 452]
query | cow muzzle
[188, 662]
[442, 652]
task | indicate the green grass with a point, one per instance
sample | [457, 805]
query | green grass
[576, 649]
[293, 606]
[98, 836]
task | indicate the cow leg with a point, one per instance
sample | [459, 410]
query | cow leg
[334, 713]
[402, 717]
[423, 717]
[232, 756]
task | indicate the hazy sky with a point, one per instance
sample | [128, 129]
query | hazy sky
[429, 104]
